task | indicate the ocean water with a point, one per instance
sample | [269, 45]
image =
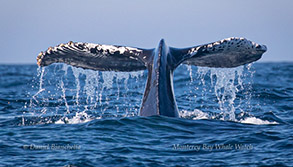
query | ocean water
[65, 116]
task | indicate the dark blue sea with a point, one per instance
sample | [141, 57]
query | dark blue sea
[65, 116]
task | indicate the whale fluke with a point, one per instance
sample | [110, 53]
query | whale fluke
[95, 56]
[227, 53]
[160, 62]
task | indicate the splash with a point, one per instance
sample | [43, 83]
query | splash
[257, 121]
[80, 117]
[200, 115]
[195, 115]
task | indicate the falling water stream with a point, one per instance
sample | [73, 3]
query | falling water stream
[75, 95]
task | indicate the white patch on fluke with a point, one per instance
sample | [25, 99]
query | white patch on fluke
[112, 49]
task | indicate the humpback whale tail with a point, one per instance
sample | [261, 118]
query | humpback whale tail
[160, 62]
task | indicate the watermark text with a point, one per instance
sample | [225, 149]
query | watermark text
[51, 147]
[211, 147]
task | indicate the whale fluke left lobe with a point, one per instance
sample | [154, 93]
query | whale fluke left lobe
[96, 56]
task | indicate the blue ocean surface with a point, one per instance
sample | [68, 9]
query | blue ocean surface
[64, 116]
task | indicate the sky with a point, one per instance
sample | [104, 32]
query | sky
[30, 26]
